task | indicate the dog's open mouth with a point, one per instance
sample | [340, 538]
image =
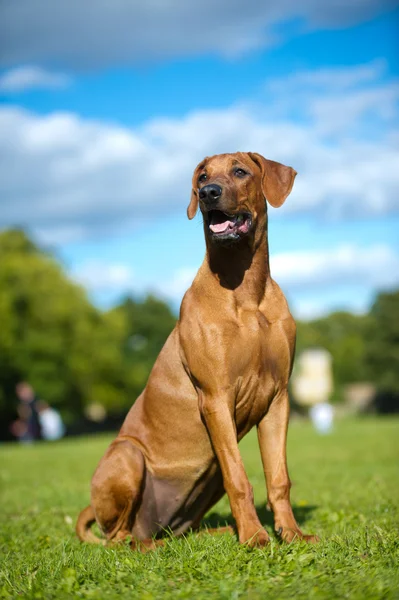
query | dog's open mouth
[228, 226]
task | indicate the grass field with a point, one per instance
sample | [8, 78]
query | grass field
[345, 489]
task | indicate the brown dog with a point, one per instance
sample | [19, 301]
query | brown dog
[224, 368]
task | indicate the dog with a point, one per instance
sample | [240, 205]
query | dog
[224, 369]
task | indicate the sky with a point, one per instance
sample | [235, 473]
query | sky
[107, 107]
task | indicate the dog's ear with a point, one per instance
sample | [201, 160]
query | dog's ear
[277, 179]
[193, 206]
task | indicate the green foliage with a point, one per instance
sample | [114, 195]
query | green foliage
[363, 347]
[53, 337]
[343, 335]
[147, 325]
[382, 356]
[345, 490]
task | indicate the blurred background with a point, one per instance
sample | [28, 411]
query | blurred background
[105, 110]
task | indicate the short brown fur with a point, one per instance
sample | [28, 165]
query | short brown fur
[224, 369]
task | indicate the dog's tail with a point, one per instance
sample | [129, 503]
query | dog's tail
[85, 520]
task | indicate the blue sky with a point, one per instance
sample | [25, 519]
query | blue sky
[105, 111]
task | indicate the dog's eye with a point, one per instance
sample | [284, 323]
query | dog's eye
[203, 177]
[240, 172]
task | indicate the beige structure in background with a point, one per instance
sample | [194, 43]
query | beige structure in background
[312, 380]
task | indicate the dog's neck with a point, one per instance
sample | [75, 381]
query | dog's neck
[242, 267]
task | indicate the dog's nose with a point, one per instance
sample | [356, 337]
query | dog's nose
[210, 193]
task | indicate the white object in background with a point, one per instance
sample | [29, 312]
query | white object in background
[322, 416]
[51, 424]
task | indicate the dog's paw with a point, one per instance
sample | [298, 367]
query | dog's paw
[258, 539]
[311, 539]
[145, 546]
[296, 535]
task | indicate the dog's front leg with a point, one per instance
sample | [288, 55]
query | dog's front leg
[222, 431]
[272, 435]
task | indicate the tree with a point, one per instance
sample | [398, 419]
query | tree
[147, 326]
[363, 347]
[52, 336]
[344, 336]
[72, 353]
[382, 356]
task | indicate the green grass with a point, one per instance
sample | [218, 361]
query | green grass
[345, 489]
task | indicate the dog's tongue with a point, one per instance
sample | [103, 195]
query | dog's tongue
[219, 222]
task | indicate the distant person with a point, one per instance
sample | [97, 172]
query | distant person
[27, 428]
[51, 424]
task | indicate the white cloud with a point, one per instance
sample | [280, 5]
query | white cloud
[338, 102]
[308, 309]
[101, 276]
[375, 266]
[332, 78]
[25, 78]
[98, 33]
[175, 287]
[350, 109]
[314, 281]
[66, 177]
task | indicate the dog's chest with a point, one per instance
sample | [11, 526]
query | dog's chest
[263, 346]
[264, 364]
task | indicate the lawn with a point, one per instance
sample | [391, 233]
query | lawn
[345, 489]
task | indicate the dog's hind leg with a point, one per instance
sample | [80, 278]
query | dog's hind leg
[116, 489]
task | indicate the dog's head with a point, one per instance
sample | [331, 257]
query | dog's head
[231, 190]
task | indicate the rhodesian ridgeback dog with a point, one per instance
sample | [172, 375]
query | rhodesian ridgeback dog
[224, 369]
